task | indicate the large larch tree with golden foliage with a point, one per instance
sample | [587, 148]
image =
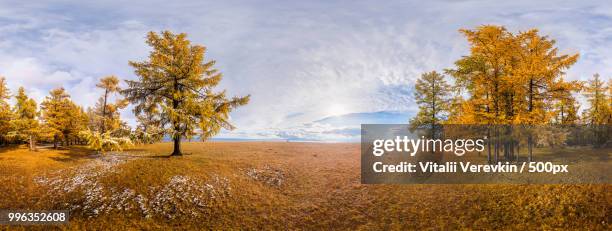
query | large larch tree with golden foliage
[178, 83]
[511, 79]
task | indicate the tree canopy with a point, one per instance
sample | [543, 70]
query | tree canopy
[510, 78]
[432, 94]
[25, 125]
[177, 83]
[63, 118]
[599, 111]
[5, 111]
[106, 116]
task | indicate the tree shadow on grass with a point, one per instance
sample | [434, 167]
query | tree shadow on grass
[74, 153]
[146, 153]
[9, 148]
[576, 154]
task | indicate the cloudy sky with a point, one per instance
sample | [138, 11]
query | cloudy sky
[305, 63]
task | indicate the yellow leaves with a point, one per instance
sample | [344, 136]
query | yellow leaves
[25, 124]
[62, 117]
[462, 114]
[109, 83]
[6, 115]
[489, 40]
[5, 93]
[106, 116]
[105, 142]
[25, 107]
[177, 81]
[511, 78]
[600, 111]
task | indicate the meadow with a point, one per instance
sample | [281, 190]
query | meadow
[272, 185]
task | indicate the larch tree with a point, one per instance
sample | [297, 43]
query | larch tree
[539, 73]
[53, 113]
[106, 112]
[599, 111]
[178, 83]
[484, 74]
[565, 110]
[63, 118]
[79, 123]
[6, 115]
[510, 79]
[25, 125]
[432, 95]
[539, 83]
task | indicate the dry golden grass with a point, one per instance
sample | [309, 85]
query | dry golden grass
[269, 185]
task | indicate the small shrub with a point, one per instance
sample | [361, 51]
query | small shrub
[105, 142]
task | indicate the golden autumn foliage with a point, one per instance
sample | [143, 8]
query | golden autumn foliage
[177, 84]
[25, 125]
[105, 130]
[600, 110]
[62, 117]
[106, 114]
[510, 78]
[174, 96]
[6, 114]
[103, 142]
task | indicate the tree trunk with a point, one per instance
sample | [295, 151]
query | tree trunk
[32, 145]
[55, 142]
[489, 145]
[177, 136]
[518, 149]
[103, 127]
[496, 145]
[530, 147]
[177, 147]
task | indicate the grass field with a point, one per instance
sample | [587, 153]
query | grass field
[273, 185]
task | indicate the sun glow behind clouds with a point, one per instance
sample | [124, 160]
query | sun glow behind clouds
[336, 109]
